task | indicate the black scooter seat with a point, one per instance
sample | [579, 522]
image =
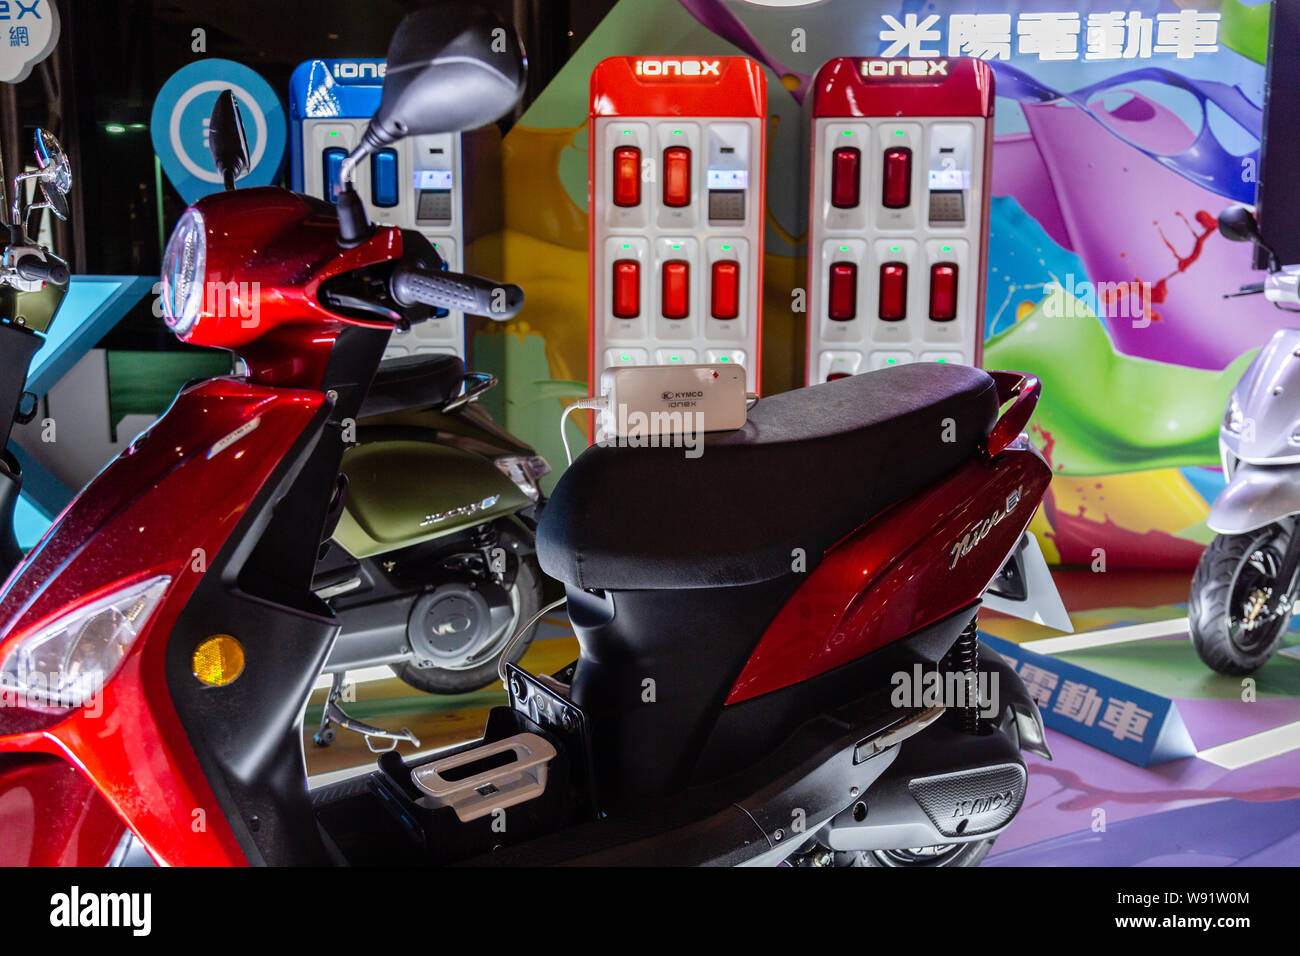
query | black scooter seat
[413, 381]
[810, 466]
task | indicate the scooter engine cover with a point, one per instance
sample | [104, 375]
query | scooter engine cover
[456, 620]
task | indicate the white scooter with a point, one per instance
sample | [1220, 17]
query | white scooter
[1245, 585]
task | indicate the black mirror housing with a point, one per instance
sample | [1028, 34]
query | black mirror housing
[1237, 223]
[227, 141]
[451, 67]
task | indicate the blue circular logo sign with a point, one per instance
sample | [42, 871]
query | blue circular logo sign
[179, 126]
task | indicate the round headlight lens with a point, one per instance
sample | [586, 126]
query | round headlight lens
[1233, 418]
[183, 269]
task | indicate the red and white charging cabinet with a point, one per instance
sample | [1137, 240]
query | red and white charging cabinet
[675, 212]
[898, 215]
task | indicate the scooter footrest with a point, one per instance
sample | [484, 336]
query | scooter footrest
[512, 771]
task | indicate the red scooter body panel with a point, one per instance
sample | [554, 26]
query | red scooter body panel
[51, 815]
[920, 561]
[268, 253]
[166, 505]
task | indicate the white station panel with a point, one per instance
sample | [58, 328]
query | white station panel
[676, 213]
[898, 215]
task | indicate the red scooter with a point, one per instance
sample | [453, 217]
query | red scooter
[779, 661]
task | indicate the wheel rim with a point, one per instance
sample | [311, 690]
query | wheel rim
[1249, 628]
[934, 855]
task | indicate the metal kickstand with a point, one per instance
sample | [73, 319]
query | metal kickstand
[335, 714]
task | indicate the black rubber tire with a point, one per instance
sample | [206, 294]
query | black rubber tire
[438, 680]
[1209, 605]
[962, 854]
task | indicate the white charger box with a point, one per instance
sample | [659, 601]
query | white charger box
[653, 401]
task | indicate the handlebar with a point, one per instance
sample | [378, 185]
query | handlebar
[458, 292]
[1250, 288]
[35, 269]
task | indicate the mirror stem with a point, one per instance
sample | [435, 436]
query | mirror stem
[16, 214]
[354, 227]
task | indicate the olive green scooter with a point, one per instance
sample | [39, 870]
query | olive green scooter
[431, 565]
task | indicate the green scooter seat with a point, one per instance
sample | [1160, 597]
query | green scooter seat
[413, 381]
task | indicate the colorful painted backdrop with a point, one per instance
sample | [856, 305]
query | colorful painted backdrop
[1119, 137]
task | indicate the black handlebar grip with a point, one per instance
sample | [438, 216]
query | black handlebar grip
[35, 269]
[458, 292]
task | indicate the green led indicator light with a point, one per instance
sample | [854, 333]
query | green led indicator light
[627, 245]
[844, 248]
[848, 132]
[677, 132]
[677, 358]
[677, 245]
[898, 132]
[894, 248]
[891, 361]
[723, 358]
[942, 361]
[625, 358]
[627, 132]
[945, 248]
[726, 246]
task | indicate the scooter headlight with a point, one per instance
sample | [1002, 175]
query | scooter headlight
[68, 661]
[184, 268]
[1233, 417]
[525, 472]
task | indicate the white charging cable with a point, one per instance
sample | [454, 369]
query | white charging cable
[598, 403]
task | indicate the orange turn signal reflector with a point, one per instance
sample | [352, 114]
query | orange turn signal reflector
[219, 660]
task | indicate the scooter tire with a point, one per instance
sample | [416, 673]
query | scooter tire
[1209, 605]
[438, 680]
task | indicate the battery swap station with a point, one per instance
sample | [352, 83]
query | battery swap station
[898, 215]
[675, 200]
[446, 185]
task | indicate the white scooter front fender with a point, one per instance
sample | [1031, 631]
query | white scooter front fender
[1257, 496]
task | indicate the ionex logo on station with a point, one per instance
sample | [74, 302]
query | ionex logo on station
[358, 71]
[678, 68]
[874, 69]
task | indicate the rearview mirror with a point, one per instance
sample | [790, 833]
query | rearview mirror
[55, 170]
[226, 139]
[1238, 224]
[450, 67]
[53, 175]
[53, 200]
